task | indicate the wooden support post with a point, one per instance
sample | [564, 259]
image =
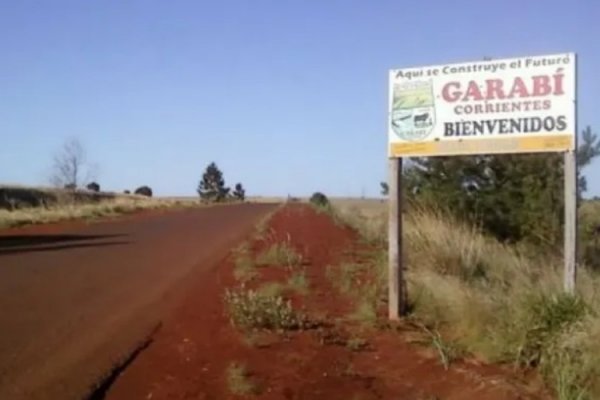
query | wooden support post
[397, 293]
[570, 251]
[571, 199]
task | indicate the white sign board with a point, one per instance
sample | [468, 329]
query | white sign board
[517, 105]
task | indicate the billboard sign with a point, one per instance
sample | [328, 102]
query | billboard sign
[517, 105]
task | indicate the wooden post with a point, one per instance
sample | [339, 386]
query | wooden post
[396, 295]
[570, 251]
[571, 199]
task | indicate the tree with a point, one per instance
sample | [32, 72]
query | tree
[239, 192]
[514, 197]
[385, 189]
[319, 199]
[144, 191]
[212, 186]
[93, 187]
[70, 167]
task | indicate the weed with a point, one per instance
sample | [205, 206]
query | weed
[279, 254]
[238, 380]
[356, 343]
[365, 313]
[251, 310]
[345, 277]
[548, 317]
[244, 269]
[298, 282]
[271, 289]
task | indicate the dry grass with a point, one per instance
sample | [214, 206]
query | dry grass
[63, 212]
[495, 301]
[279, 254]
[238, 380]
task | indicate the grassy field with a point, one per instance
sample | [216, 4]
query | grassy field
[499, 303]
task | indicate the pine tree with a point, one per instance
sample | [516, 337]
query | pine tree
[515, 197]
[212, 186]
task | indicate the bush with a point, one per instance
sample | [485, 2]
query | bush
[144, 191]
[251, 310]
[127, 192]
[319, 199]
[93, 187]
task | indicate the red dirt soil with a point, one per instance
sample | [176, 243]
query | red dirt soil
[77, 297]
[189, 355]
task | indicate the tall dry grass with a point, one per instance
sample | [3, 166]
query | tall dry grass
[497, 302]
[72, 211]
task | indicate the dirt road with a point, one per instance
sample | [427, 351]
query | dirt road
[76, 298]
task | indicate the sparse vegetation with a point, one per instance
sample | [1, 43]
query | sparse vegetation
[279, 254]
[238, 380]
[249, 309]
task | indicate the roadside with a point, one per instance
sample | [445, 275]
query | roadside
[281, 318]
[70, 211]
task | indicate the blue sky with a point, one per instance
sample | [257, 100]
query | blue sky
[286, 96]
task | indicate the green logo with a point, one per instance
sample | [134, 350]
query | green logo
[413, 110]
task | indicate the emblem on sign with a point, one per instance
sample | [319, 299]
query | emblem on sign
[413, 110]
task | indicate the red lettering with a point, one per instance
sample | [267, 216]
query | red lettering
[451, 96]
[541, 85]
[494, 89]
[473, 92]
[558, 82]
[519, 89]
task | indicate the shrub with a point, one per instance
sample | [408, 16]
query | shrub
[93, 187]
[318, 199]
[239, 193]
[127, 192]
[144, 191]
[251, 310]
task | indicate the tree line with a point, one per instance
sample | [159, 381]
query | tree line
[514, 197]
[72, 170]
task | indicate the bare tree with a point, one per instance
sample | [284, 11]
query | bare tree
[70, 167]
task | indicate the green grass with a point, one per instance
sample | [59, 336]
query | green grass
[279, 254]
[238, 380]
[501, 303]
